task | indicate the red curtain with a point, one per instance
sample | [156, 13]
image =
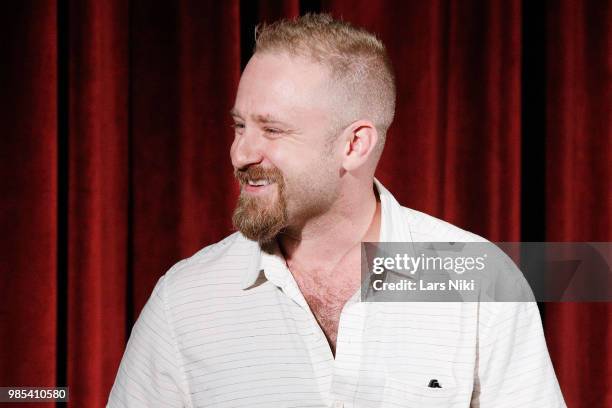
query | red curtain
[29, 188]
[115, 156]
[579, 194]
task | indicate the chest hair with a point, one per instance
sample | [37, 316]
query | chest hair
[326, 297]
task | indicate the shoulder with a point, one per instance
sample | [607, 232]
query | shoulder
[219, 264]
[503, 280]
[426, 228]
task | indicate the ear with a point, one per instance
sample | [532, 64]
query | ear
[360, 140]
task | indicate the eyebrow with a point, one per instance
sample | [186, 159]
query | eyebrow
[267, 118]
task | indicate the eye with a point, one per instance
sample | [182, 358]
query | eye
[239, 127]
[272, 130]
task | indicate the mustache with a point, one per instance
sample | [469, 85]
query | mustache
[258, 173]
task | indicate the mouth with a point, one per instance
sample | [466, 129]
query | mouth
[257, 186]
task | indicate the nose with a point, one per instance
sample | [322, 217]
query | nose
[246, 150]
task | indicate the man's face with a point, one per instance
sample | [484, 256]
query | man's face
[281, 154]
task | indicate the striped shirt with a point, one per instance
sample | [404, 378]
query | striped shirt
[229, 327]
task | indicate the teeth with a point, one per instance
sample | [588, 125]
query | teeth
[258, 182]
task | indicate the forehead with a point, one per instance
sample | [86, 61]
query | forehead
[281, 84]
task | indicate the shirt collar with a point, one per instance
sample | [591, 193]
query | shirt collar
[268, 263]
[393, 228]
[265, 264]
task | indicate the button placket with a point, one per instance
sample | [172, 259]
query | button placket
[321, 357]
[348, 351]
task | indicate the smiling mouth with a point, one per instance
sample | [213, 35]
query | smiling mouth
[257, 186]
[258, 183]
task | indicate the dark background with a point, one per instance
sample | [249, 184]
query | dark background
[115, 163]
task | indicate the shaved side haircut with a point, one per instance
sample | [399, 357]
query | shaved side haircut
[361, 76]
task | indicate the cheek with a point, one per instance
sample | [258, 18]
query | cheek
[301, 164]
[276, 156]
[287, 158]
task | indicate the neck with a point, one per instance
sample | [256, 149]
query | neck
[323, 241]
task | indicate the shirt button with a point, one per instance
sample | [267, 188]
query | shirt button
[338, 404]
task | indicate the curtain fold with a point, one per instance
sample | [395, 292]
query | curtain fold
[98, 134]
[29, 186]
[578, 180]
[115, 157]
[185, 69]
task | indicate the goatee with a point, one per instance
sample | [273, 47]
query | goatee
[261, 218]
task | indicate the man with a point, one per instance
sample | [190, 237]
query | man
[271, 316]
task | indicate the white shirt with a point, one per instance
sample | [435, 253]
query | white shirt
[229, 327]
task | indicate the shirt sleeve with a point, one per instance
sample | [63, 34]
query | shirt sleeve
[150, 373]
[513, 368]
